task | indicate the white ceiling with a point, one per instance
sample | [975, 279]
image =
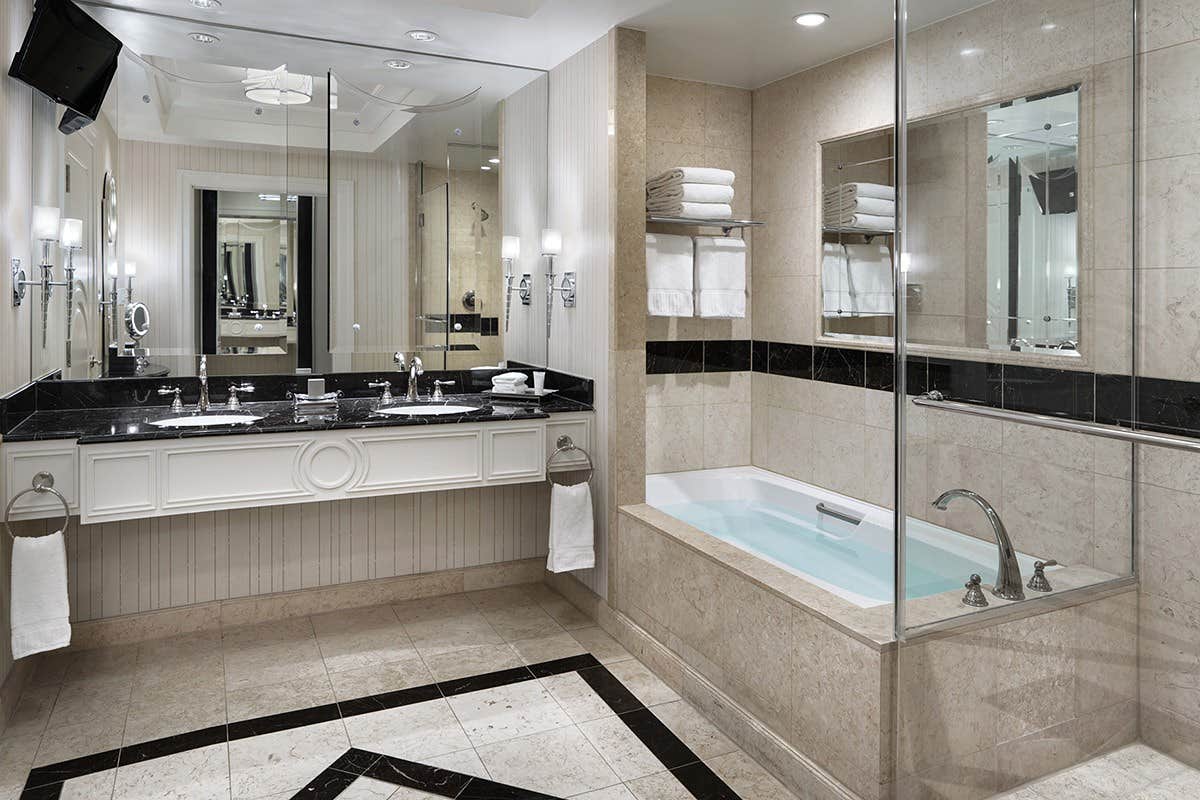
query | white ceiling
[745, 43]
[750, 44]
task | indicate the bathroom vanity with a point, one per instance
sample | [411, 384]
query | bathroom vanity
[116, 463]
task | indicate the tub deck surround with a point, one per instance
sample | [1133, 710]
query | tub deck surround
[504, 693]
[100, 425]
[827, 678]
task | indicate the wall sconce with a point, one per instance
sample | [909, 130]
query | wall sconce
[510, 251]
[552, 246]
[45, 229]
[70, 237]
[130, 274]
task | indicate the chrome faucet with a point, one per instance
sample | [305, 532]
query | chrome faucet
[203, 403]
[415, 369]
[1008, 573]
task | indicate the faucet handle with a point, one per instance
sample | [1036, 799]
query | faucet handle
[1038, 581]
[177, 403]
[234, 403]
[437, 388]
[399, 359]
[974, 596]
[386, 397]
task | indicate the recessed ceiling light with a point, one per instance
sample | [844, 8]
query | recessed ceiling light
[1049, 26]
[493, 160]
[811, 19]
[993, 122]
[204, 38]
[485, 168]
[968, 51]
[207, 5]
[422, 36]
[397, 63]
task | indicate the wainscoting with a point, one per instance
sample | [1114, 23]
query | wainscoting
[150, 564]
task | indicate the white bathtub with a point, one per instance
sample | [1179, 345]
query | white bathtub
[776, 519]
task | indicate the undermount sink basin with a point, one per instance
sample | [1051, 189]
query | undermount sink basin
[206, 421]
[426, 410]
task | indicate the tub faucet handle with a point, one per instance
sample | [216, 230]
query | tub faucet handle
[1038, 581]
[974, 596]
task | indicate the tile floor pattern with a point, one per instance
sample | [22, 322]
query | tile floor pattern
[269, 708]
[1135, 772]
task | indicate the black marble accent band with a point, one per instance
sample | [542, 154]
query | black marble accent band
[1166, 406]
[45, 783]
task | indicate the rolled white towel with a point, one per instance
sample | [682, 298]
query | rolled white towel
[878, 190]
[691, 193]
[694, 210]
[721, 177]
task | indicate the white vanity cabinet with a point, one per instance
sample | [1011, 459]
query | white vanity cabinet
[129, 480]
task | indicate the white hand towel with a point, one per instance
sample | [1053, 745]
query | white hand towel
[835, 282]
[721, 276]
[721, 177]
[669, 270]
[571, 532]
[40, 608]
[879, 190]
[861, 205]
[693, 210]
[862, 222]
[690, 193]
[871, 284]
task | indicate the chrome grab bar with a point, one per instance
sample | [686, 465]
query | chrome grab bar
[844, 516]
[935, 400]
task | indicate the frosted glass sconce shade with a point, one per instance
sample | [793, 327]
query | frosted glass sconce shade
[551, 242]
[131, 269]
[510, 247]
[70, 233]
[45, 223]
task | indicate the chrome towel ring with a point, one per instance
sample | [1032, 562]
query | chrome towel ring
[43, 483]
[565, 444]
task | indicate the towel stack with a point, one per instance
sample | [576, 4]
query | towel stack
[704, 275]
[510, 383]
[696, 192]
[861, 206]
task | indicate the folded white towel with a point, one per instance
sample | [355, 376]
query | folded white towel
[40, 608]
[721, 276]
[669, 271]
[871, 285]
[690, 193]
[861, 222]
[721, 177]
[693, 210]
[878, 190]
[511, 382]
[571, 531]
[835, 282]
[860, 205]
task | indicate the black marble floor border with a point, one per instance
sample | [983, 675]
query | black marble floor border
[46, 782]
[1164, 406]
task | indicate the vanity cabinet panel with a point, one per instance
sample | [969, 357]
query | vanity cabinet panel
[579, 428]
[515, 453]
[22, 462]
[119, 482]
[420, 460]
[198, 476]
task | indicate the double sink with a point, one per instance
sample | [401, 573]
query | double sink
[218, 420]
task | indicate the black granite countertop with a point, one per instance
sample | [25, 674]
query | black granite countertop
[96, 425]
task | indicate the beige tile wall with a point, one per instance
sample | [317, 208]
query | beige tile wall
[698, 421]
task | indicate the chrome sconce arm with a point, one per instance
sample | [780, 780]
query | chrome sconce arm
[523, 290]
[566, 290]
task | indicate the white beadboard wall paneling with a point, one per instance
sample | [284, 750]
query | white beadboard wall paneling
[16, 191]
[579, 197]
[142, 565]
[523, 188]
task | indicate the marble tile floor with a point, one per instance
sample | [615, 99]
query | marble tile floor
[1134, 772]
[505, 693]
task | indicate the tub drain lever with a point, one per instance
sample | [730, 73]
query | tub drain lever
[974, 596]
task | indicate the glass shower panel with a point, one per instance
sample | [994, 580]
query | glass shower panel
[1016, 613]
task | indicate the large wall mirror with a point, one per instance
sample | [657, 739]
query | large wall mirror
[1000, 272]
[289, 205]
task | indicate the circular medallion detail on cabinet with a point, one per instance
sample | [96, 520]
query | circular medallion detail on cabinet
[329, 465]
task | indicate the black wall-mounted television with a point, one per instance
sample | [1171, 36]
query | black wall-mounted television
[69, 57]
